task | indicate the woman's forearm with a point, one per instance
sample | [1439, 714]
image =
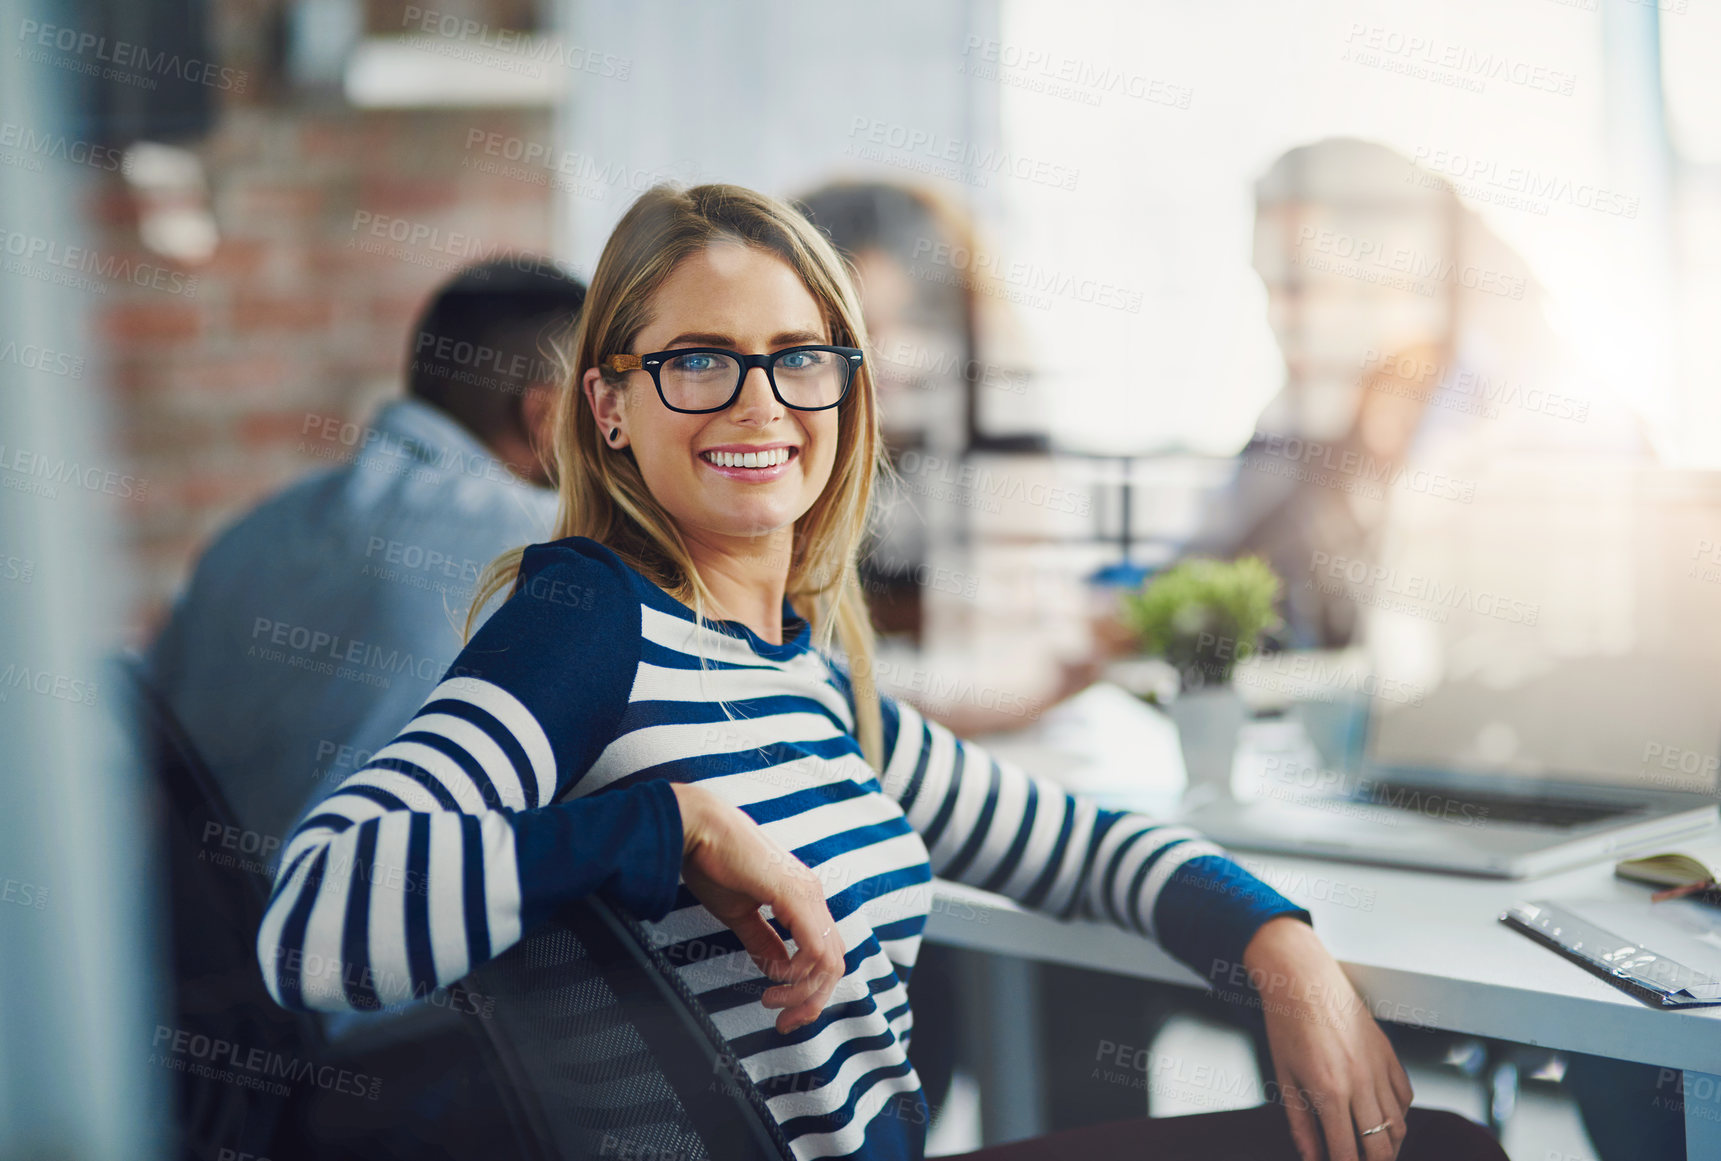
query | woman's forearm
[382, 910]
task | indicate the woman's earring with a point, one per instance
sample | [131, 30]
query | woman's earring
[614, 431]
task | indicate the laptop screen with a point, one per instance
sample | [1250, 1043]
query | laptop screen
[1565, 624]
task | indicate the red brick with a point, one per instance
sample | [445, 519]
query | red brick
[251, 373]
[393, 314]
[237, 257]
[237, 140]
[146, 323]
[254, 311]
[222, 492]
[323, 261]
[407, 196]
[517, 199]
[133, 376]
[112, 204]
[332, 141]
[281, 429]
[276, 202]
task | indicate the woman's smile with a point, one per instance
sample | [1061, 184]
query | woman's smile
[750, 463]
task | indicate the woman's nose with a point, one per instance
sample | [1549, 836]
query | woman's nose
[757, 402]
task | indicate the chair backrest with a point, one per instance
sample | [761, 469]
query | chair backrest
[580, 1041]
[611, 1053]
[216, 892]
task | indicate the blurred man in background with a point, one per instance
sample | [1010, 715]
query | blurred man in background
[315, 625]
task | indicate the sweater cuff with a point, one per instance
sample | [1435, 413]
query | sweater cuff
[626, 844]
[1210, 909]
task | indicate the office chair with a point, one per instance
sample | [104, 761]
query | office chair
[214, 907]
[578, 1042]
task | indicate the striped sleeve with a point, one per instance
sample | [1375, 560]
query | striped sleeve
[990, 825]
[451, 841]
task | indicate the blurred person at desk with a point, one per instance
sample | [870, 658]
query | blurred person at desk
[1418, 349]
[313, 626]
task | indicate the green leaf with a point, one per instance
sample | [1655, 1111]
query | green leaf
[1204, 615]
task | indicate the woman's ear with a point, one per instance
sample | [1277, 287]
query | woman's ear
[606, 404]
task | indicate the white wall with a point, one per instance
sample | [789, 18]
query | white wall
[772, 95]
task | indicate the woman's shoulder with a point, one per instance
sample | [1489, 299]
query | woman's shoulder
[589, 575]
[589, 568]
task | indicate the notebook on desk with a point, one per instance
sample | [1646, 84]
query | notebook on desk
[1693, 871]
[1581, 723]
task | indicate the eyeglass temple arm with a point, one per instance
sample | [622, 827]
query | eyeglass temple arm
[623, 363]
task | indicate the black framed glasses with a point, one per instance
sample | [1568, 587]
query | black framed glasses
[698, 380]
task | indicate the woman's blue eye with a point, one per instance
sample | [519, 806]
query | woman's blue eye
[799, 361]
[696, 364]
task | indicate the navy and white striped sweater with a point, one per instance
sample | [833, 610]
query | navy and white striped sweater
[539, 770]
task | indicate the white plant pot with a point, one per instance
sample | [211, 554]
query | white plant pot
[1209, 721]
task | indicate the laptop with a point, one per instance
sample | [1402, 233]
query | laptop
[1539, 684]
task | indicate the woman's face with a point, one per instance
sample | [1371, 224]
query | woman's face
[748, 300]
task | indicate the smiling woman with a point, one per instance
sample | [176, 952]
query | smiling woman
[700, 770]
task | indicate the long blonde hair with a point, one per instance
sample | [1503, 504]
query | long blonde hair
[600, 490]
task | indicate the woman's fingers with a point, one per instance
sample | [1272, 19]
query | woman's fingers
[1368, 1113]
[765, 947]
[807, 1010]
[1399, 1080]
[805, 997]
[1339, 1127]
[817, 964]
[1390, 1088]
[1300, 1111]
[773, 876]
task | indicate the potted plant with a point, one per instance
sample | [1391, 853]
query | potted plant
[1202, 617]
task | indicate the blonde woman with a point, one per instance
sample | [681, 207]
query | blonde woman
[655, 711]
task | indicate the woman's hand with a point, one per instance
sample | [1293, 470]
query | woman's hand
[733, 868]
[1337, 1074]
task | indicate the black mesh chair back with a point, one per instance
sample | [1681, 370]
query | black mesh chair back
[216, 892]
[611, 1053]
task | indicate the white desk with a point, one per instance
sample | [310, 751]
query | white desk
[1429, 951]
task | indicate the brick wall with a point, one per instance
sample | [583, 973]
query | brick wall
[289, 319]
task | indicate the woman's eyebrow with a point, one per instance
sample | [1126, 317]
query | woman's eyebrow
[781, 339]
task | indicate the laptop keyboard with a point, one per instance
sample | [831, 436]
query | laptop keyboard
[1473, 805]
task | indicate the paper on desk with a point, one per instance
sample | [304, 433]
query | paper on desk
[1104, 743]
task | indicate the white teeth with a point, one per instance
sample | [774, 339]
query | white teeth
[764, 459]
